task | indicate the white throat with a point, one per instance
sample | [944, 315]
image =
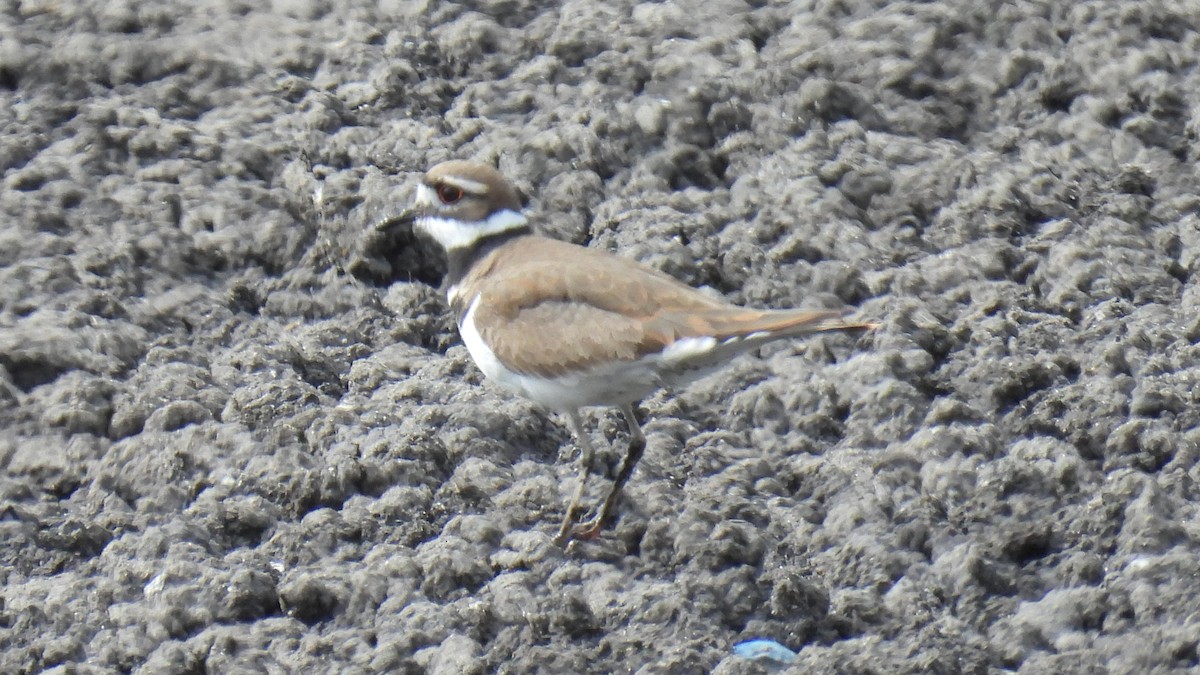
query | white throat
[452, 233]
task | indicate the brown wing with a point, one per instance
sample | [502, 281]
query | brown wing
[553, 337]
[581, 306]
[584, 307]
[598, 278]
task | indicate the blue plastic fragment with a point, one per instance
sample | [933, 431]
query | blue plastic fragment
[764, 650]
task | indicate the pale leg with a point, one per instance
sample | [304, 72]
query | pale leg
[586, 457]
[637, 445]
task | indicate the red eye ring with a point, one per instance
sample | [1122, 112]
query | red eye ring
[449, 193]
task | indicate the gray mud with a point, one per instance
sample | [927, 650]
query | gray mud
[240, 434]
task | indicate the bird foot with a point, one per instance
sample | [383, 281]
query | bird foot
[586, 531]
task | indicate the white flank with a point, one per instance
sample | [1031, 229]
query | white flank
[452, 233]
[612, 384]
[483, 355]
[689, 348]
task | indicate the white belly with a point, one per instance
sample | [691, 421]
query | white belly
[614, 384]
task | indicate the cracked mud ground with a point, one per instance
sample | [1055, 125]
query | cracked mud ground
[238, 431]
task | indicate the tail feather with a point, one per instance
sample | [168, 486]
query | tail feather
[786, 323]
[698, 342]
[738, 323]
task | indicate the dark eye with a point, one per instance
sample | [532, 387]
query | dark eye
[449, 193]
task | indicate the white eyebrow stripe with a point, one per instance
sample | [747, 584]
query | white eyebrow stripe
[468, 185]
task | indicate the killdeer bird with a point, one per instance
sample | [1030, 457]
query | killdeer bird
[571, 327]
